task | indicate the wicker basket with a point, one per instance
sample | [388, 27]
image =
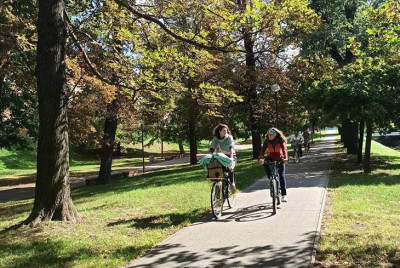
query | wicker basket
[215, 169]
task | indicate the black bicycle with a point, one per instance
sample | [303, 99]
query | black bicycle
[274, 185]
[221, 191]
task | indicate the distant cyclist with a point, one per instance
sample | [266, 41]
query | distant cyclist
[306, 136]
[296, 140]
[275, 144]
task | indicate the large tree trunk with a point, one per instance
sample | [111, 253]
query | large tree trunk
[110, 129]
[350, 135]
[252, 94]
[367, 156]
[52, 192]
[360, 141]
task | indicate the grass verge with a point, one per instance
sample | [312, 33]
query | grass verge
[19, 167]
[118, 222]
[361, 224]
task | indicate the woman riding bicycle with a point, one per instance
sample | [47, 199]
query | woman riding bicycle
[275, 144]
[223, 142]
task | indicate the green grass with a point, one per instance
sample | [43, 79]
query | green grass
[19, 167]
[361, 224]
[118, 222]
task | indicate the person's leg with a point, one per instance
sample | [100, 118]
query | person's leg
[267, 169]
[282, 179]
[300, 151]
[232, 175]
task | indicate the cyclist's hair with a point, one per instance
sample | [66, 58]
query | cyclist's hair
[218, 128]
[279, 135]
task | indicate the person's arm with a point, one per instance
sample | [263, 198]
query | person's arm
[285, 152]
[214, 144]
[231, 147]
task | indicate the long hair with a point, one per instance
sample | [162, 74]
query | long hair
[279, 135]
[218, 128]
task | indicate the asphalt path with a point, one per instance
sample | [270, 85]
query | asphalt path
[249, 235]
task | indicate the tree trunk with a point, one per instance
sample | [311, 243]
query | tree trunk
[52, 192]
[340, 129]
[110, 129]
[192, 141]
[252, 93]
[162, 148]
[360, 141]
[367, 156]
[350, 135]
[181, 149]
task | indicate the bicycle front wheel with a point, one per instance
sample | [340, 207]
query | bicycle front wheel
[274, 191]
[217, 199]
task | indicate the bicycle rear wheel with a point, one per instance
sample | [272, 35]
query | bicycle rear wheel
[217, 199]
[296, 156]
[274, 192]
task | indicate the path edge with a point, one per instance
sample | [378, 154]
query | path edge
[321, 215]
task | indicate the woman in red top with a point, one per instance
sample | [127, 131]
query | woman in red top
[275, 144]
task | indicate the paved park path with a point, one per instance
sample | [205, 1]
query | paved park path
[249, 235]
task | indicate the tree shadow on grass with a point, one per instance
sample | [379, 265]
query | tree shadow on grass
[45, 252]
[39, 252]
[363, 255]
[160, 221]
[349, 172]
[12, 209]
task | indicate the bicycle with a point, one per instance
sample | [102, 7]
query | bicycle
[274, 186]
[306, 146]
[296, 154]
[221, 190]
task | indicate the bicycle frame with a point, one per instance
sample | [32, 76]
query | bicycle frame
[275, 189]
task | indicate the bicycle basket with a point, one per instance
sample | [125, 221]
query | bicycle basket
[215, 169]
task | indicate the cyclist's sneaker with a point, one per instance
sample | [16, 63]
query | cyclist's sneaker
[284, 198]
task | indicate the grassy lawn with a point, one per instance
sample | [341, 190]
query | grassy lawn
[118, 222]
[19, 167]
[361, 224]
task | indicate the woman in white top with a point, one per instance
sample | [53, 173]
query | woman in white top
[223, 142]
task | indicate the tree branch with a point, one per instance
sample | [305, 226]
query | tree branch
[89, 63]
[171, 33]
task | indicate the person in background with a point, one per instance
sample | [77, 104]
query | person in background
[306, 136]
[297, 140]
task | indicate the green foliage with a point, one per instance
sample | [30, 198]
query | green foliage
[366, 88]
